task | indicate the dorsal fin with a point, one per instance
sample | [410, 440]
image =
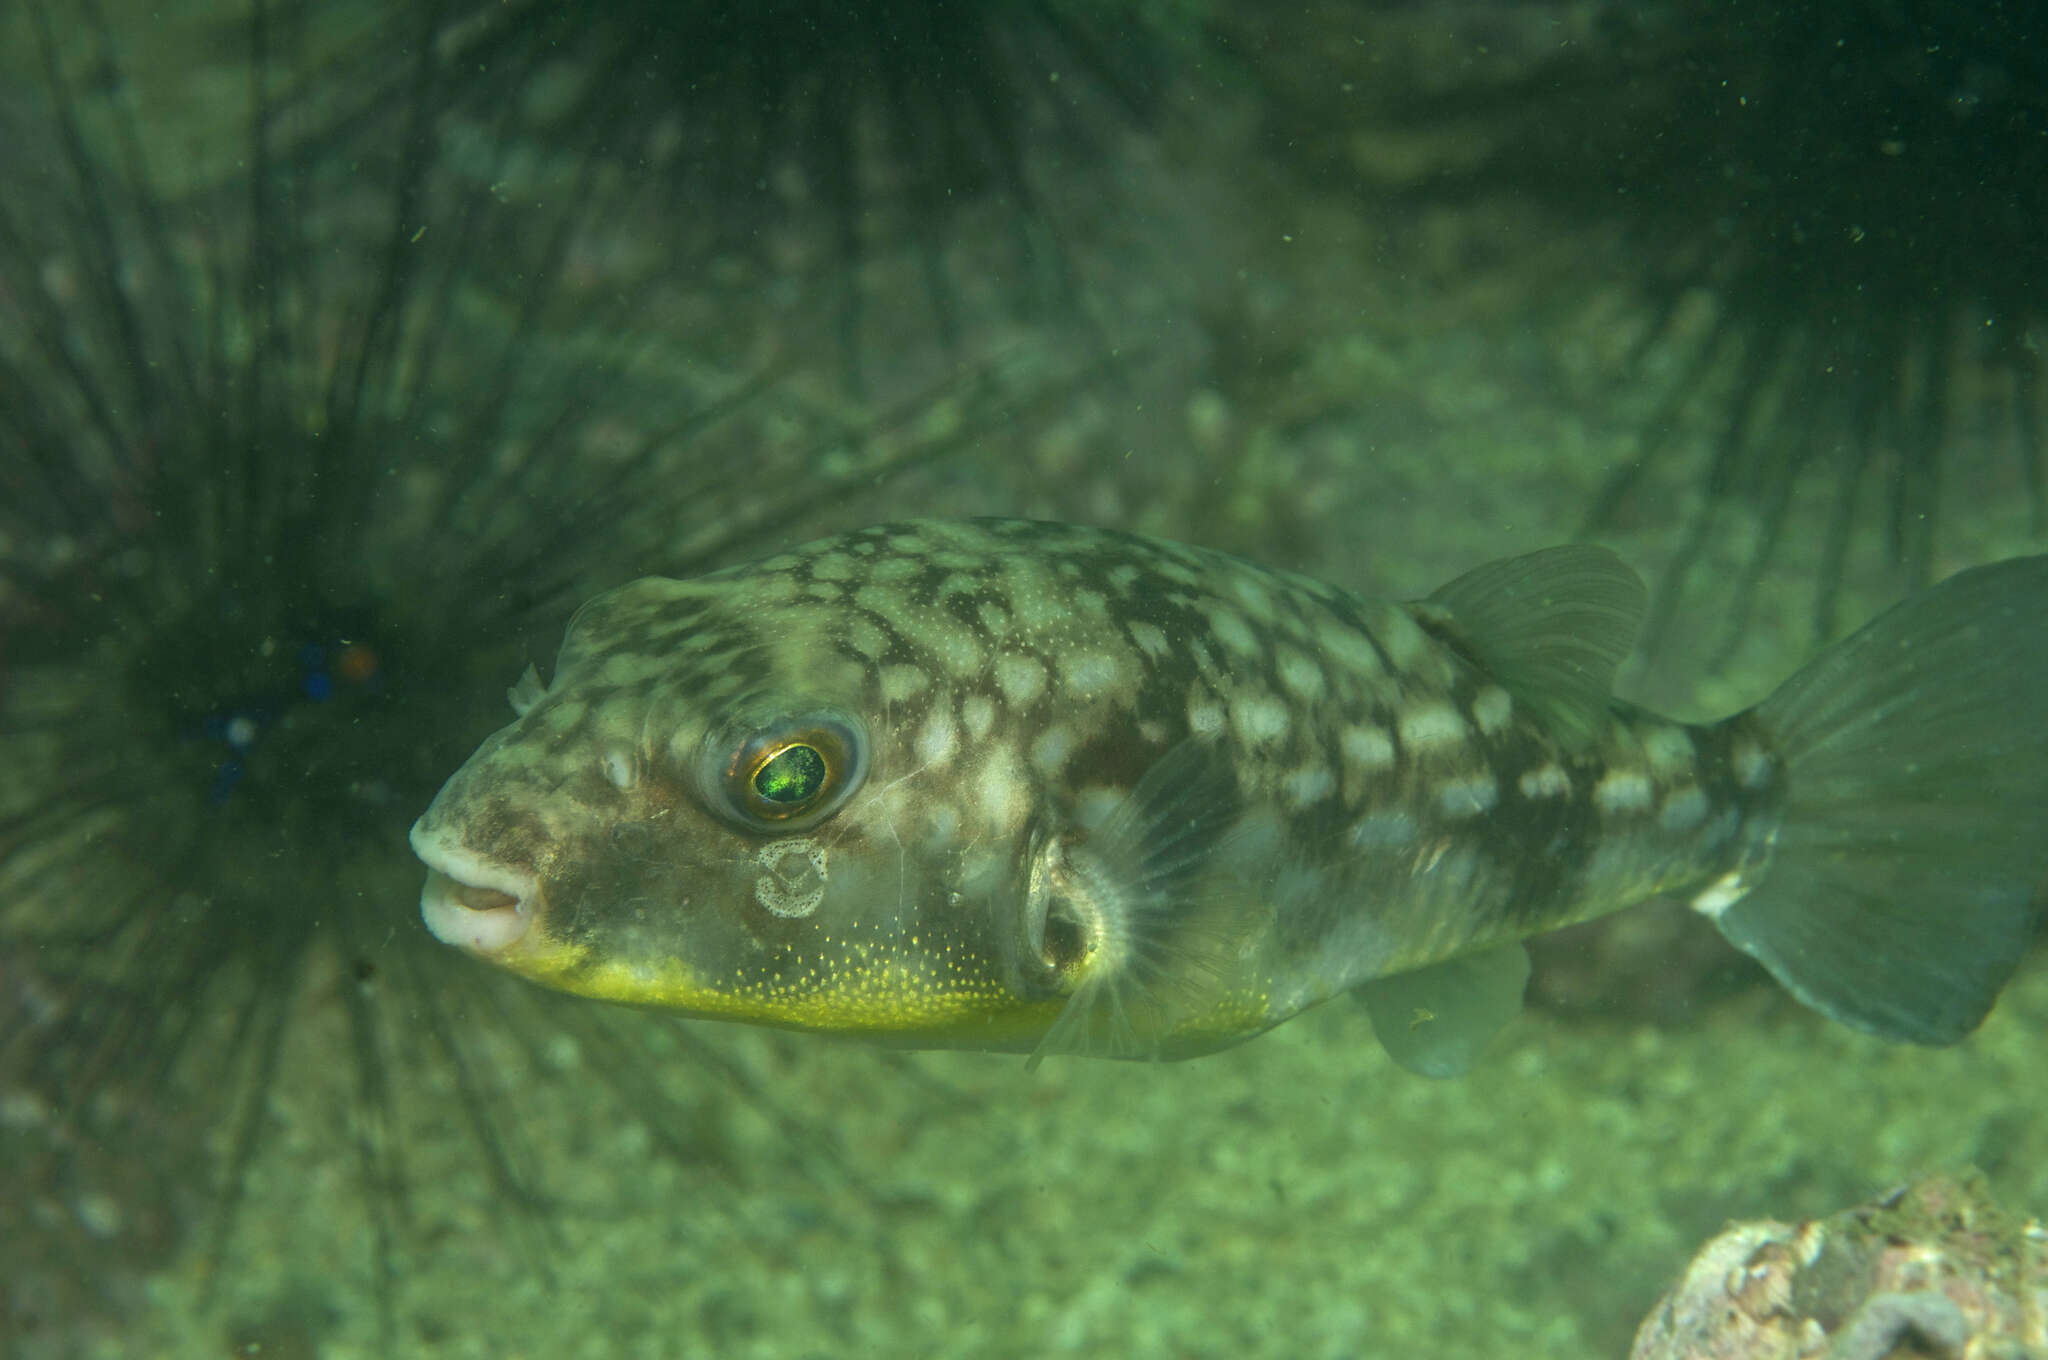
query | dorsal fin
[1553, 627]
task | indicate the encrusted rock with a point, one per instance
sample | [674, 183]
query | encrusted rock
[1933, 1270]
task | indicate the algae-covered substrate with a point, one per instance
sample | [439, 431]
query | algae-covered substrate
[1297, 1196]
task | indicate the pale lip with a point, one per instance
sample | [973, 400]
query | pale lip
[469, 902]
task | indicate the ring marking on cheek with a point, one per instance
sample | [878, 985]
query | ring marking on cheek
[792, 883]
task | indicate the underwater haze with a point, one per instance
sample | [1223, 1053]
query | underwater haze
[345, 350]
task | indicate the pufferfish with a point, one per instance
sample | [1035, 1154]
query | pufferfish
[1012, 785]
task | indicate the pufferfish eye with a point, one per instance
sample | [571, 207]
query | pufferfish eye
[788, 773]
[792, 778]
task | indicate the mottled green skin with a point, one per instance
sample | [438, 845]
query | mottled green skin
[1371, 797]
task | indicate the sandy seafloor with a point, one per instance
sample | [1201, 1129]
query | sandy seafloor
[1298, 1196]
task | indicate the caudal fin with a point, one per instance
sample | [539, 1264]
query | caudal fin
[1905, 881]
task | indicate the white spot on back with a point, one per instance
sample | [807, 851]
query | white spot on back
[1035, 598]
[1430, 726]
[625, 668]
[1669, 751]
[1367, 747]
[958, 651]
[1468, 796]
[1205, 718]
[1253, 596]
[1351, 650]
[1150, 638]
[771, 588]
[1020, 678]
[937, 738]
[1049, 753]
[1545, 781]
[1301, 674]
[1233, 632]
[901, 682]
[866, 637]
[1087, 674]
[978, 715]
[1491, 709]
[891, 570]
[1622, 791]
[1002, 792]
[1402, 638]
[1259, 719]
[1306, 786]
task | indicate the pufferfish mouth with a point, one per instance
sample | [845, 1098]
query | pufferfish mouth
[471, 903]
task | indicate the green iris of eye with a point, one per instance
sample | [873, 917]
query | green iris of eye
[793, 775]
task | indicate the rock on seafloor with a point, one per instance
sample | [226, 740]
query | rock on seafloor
[1934, 1270]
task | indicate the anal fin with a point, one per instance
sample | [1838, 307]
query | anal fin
[1435, 1021]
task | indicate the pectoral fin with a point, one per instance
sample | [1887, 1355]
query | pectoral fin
[1155, 926]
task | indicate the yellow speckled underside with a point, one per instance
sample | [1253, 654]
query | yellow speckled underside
[880, 1000]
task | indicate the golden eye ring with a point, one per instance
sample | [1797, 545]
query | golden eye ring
[794, 773]
[786, 780]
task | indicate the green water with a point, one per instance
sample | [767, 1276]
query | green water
[1263, 356]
